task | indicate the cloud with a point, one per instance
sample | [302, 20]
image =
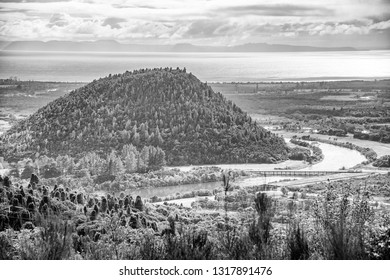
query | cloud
[278, 10]
[204, 28]
[198, 22]
[58, 20]
[34, 1]
[327, 28]
[113, 22]
[135, 6]
[5, 10]
[348, 28]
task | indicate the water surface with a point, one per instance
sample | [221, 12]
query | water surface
[219, 67]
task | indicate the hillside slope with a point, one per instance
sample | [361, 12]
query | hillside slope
[167, 107]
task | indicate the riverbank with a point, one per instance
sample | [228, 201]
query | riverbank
[335, 158]
[381, 149]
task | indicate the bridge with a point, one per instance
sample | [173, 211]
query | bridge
[301, 173]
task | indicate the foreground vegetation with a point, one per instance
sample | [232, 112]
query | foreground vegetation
[325, 221]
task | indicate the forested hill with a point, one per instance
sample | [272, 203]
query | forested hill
[167, 107]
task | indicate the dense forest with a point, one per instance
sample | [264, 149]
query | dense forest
[165, 108]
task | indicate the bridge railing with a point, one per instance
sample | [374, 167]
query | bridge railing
[300, 172]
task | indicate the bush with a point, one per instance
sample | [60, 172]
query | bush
[343, 223]
[260, 229]
[7, 250]
[189, 244]
[297, 242]
[52, 241]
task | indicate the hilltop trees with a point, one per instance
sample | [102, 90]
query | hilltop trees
[162, 108]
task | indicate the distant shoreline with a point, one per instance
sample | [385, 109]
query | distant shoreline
[270, 81]
[114, 46]
[39, 81]
[308, 80]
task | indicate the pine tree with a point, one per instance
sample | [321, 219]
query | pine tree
[158, 140]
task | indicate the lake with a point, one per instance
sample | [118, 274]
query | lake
[211, 67]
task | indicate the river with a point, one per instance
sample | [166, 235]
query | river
[335, 158]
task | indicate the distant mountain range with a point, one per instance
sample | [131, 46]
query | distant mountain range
[114, 46]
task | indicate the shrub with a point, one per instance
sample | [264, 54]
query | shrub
[343, 223]
[7, 250]
[152, 248]
[139, 204]
[380, 245]
[260, 229]
[189, 244]
[298, 247]
[235, 244]
[284, 191]
[52, 241]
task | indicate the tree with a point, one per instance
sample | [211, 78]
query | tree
[27, 171]
[136, 139]
[65, 164]
[129, 156]
[42, 161]
[50, 171]
[160, 157]
[158, 140]
[93, 163]
[128, 125]
[143, 161]
[115, 165]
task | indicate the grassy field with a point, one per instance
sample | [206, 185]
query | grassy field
[19, 99]
[358, 108]
[278, 98]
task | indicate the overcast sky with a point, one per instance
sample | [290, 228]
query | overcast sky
[356, 23]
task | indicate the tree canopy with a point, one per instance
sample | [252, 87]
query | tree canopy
[166, 108]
